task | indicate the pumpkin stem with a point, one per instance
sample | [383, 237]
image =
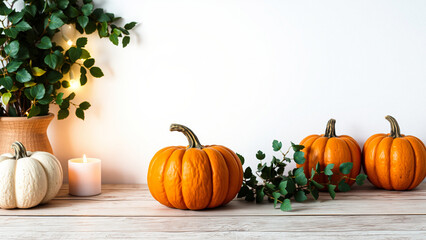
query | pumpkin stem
[330, 130]
[20, 151]
[192, 138]
[395, 130]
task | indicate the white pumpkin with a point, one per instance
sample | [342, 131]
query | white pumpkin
[28, 178]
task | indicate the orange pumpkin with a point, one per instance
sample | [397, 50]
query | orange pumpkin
[330, 148]
[394, 161]
[194, 177]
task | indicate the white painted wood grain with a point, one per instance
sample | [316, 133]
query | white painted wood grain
[129, 212]
[397, 235]
[214, 224]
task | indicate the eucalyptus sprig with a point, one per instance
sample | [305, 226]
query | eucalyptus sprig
[34, 68]
[279, 187]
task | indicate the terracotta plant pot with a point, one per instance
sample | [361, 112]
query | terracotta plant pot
[31, 132]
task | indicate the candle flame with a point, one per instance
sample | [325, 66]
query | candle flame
[84, 158]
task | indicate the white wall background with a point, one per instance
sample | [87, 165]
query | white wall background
[242, 73]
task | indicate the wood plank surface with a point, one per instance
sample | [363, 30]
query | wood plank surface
[129, 212]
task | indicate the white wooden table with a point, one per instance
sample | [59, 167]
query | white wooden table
[129, 212]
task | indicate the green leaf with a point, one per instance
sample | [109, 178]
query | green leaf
[283, 187]
[260, 195]
[71, 12]
[96, 72]
[37, 91]
[317, 185]
[13, 66]
[286, 205]
[297, 171]
[45, 43]
[62, 4]
[36, 71]
[65, 84]
[276, 195]
[54, 76]
[63, 113]
[89, 62]
[248, 172]
[343, 186]
[297, 148]
[81, 42]
[260, 155]
[46, 100]
[83, 21]
[84, 105]
[291, 187]
[55, 22]
[23, 76]
[71, 96]
[87, 9]
[116, 31]
[22, 26]
[313, 172]
[301, 179]
[84, 54]
[103, 31]
[243, 191]
[4, 10]
[239, 156]
[74, 54]
[12, 48]
[277, 145]
[300, 196]
[360, 179]
[270, 186]
[11, 32]
[130, 25]
[346, 167]
[126, 41]
[114, 39]
[5, 98]
[31, 9]
[315, 193]
[299, 157]
[79, 113]
[7, 82]
[318, 168]
[91, 27]
[327, 169]
[83, 79]
[29, 84]
[51, 60]
[15, 17]
[59, 99]
[331, 188]
[34, 111]
[59, 57]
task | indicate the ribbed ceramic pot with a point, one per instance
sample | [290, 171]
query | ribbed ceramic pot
[31, 132]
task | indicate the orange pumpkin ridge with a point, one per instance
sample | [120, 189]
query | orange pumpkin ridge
[330, 148]
[394, 161]
[194, 178]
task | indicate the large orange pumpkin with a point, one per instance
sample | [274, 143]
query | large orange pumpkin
[330, 148]
[394, 161]
[194, 177]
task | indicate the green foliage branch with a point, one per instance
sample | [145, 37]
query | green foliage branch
[34, 68]
[279, 187]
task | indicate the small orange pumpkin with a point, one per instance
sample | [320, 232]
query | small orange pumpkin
[194, 177]
[330, 148]
[394, 161]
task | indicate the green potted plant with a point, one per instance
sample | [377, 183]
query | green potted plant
[35, 69]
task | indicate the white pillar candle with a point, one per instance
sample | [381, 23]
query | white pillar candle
[84, 176]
